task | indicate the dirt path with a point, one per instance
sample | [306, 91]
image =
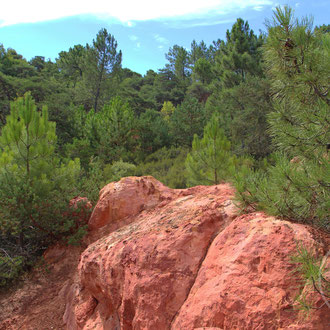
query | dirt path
[37, 302]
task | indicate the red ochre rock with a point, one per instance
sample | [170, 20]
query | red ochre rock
[246, 279]
[186, 261]
[141, 274]
[161, 258]
[127, 197]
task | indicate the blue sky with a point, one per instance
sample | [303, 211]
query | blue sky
[144, 29]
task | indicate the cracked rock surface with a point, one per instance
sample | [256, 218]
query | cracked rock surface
[186, 261]
[157, 258]
[140, 275]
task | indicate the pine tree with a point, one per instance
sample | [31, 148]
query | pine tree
[179, 61]
[167, 110]
[239, 56]
[187, 119]
[111, 131]
[101, 62]
[35, 188]
[298, 65]
[210, 160]
[297, 186]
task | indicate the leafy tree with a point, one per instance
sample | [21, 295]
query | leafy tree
[243, 110]
[38, 62]
[239, 56]
[98, 174]
[312, 271]
[110, 133]
[237, 60]
[118, 170]
[13, 64]
[168, 87]
[203, 71]
[199, 91]
[197, 51]
[129, 90]
[249, 104]
[210, 160]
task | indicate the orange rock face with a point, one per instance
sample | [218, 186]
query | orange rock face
[120, 201]
[158, 258]
[181, 259]
[246, 280]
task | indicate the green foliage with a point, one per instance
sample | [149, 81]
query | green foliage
[166, 165]
[71, 63]
[153, 133]
[101, 62]
[240, 56]
[312, 272]
[92, 180]
[10, 267]
[203, 71]
[32, 179]
[300, 83]
[168, 87]
[179, 61]
[298, 66]
[82, 149]
[188, 119]
[210, 160]
[110, 133]
[197, 51]
[167, 110]
[243, 110]
[98, 174]
[119, 170]
[287, 189]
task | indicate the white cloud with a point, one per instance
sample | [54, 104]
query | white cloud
[193, 23]
[133, 37]
[138, 44]
[160, 39]
[126, 11]
[258, 8]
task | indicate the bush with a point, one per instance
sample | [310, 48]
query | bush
[167, 166]
[99, 174]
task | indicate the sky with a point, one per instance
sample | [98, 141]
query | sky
[144, 29]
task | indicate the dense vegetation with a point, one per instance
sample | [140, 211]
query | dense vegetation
[251, 109]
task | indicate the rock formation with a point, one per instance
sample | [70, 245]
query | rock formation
[159, 258]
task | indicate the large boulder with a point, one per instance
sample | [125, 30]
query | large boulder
[171, 259]
[120, 201]
[246, 280]
[140, 275]
[186, 261]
